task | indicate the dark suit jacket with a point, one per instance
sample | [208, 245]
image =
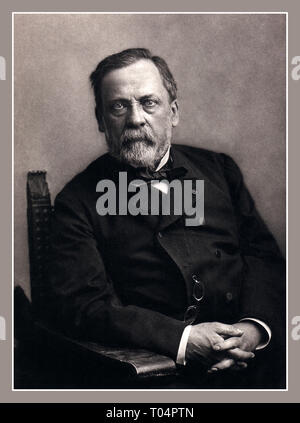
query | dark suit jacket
[233, 253]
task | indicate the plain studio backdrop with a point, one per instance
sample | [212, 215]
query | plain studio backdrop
[230, 71]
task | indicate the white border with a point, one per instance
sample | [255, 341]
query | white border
[12, 91]
[13, 193]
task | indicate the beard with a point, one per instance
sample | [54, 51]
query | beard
[140, 148]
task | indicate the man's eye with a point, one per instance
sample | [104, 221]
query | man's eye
[118, 106]
[149, 103]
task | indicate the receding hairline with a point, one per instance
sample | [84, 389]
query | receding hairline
[134, 64]
[147, 94]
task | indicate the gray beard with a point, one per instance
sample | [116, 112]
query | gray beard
[139, 149]
[142, 154]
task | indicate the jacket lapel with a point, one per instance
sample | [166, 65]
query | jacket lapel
[195, 173]
[179, 160]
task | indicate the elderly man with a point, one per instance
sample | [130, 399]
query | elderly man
[209, 294]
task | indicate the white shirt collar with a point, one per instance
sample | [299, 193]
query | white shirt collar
[164, 160]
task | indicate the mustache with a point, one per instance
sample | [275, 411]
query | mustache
[132, 135]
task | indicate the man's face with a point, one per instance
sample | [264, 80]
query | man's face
[137, 114]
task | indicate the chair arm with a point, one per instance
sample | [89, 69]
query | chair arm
[136, 364]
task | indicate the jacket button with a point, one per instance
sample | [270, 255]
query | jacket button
[228, 296]
[218, 253]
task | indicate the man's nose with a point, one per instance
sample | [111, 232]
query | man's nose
[135, 115]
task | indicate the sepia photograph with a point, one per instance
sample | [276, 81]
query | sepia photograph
[149, 201]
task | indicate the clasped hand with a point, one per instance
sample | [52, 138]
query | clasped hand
[220, 346]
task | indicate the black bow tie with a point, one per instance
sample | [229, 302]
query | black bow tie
[163, 173]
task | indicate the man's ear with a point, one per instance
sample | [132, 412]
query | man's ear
[100, 121]
[175, 113]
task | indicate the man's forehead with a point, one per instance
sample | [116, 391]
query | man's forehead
[140, 77]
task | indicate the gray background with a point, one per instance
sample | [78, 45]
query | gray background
[230, 71]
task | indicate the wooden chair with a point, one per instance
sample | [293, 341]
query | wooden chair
[73, 363]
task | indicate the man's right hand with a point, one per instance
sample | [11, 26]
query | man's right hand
[202, 339]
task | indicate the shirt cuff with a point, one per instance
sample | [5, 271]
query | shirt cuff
[182, 346]
[268, 332]
[181, 360]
